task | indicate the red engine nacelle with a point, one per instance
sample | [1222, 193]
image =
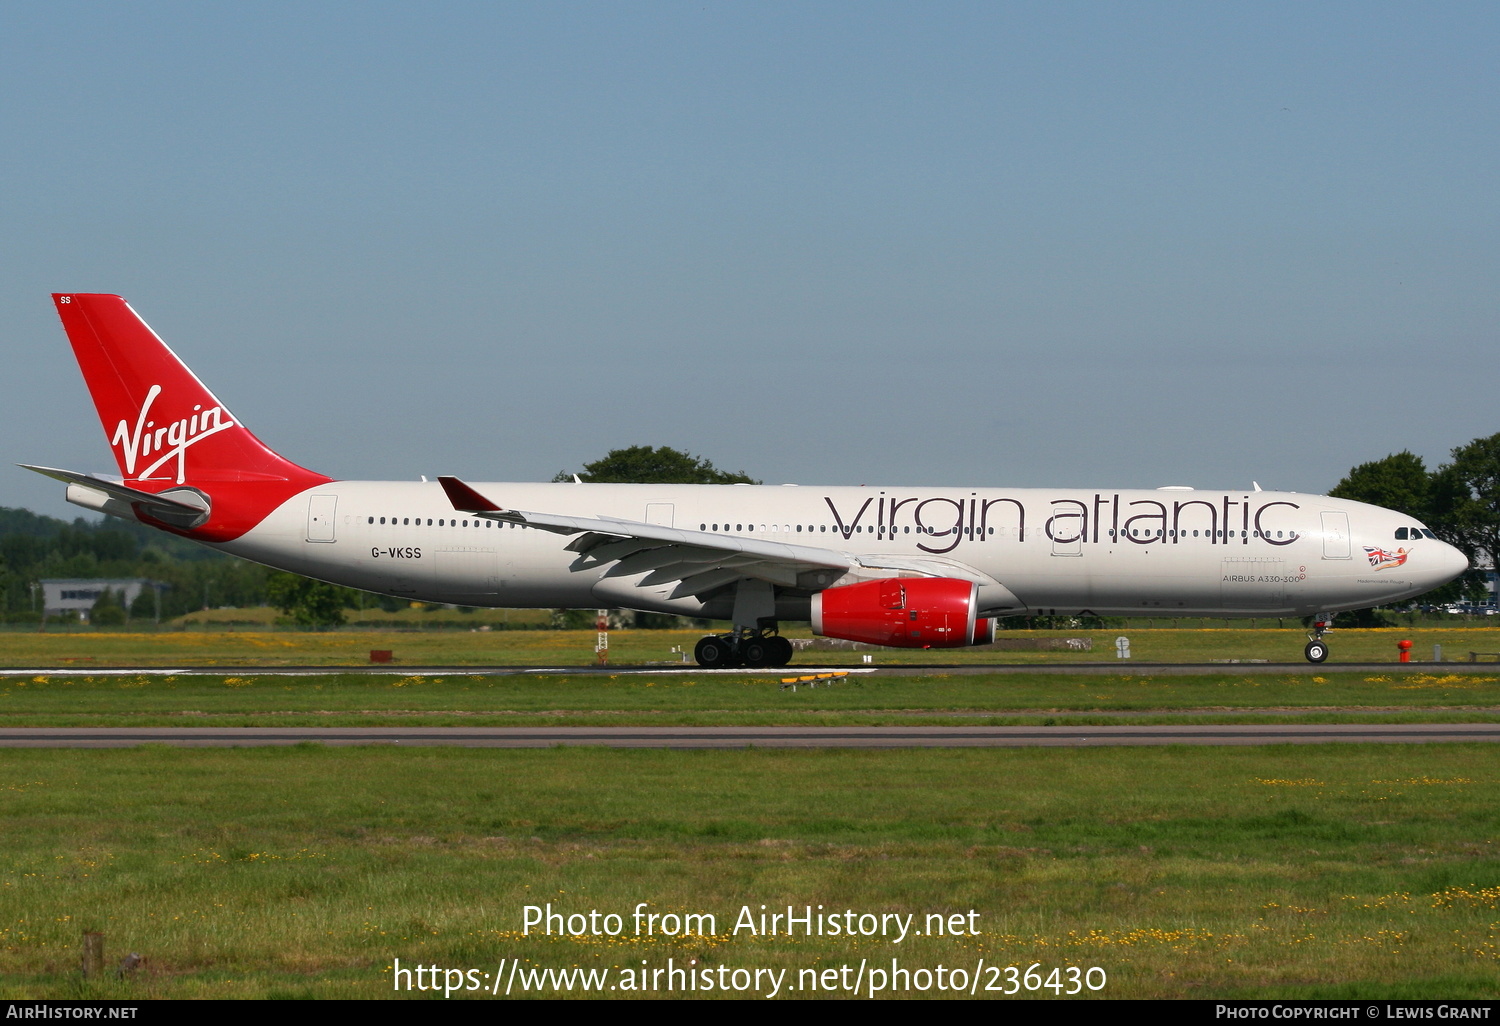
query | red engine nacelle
[905, 612]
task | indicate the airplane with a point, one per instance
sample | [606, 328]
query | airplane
[909, 567]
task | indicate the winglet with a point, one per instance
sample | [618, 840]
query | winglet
[465, 498]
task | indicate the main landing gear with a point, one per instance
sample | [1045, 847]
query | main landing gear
[743, 647]
[1317, 649]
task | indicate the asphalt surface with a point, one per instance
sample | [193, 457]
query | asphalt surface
[888, 670]
[936, 736]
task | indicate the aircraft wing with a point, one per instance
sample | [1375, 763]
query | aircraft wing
[698, 561]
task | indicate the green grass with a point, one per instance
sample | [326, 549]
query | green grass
[436, 699]
[1278, 871]
[83, 648]
[1309, 871]
[415, 617]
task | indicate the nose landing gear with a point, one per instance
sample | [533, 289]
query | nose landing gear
[1317, 649]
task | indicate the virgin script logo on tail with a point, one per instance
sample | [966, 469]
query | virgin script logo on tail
[169, 442]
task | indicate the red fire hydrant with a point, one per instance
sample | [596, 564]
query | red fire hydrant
[1405, 649]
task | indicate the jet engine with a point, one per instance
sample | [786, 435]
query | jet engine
[904, 612]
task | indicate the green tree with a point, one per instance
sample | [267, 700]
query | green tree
[574, 619]
[1466, 499]
[308, 602]
[642, 464]
[107, 611]
[1399, 482]
[144, 606]
[1460, 501]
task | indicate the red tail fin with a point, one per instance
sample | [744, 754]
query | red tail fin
[167, 430]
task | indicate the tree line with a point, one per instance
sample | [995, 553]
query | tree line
[34, 547]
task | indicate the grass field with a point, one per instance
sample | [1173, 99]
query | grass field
[415, 617]
[574, 648]
[702, 699]
[303, 872]
[1311, 871]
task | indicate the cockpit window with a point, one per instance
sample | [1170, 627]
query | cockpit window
[1427, 533]
[1401, 534]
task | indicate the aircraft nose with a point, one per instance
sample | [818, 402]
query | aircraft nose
[1449, 563]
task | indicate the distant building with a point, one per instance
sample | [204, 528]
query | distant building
[64, 595]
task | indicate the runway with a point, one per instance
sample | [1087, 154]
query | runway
[1123, 668]
[757, 737]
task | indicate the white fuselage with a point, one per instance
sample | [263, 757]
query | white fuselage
[1110, 552]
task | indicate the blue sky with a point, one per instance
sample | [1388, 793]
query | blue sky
[1014, 244]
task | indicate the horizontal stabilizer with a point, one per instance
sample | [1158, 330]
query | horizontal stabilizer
[180, 507]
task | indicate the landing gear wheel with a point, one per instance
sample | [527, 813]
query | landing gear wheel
[756, 653]
[780, 650]
[713, 653]
[1316, 651]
